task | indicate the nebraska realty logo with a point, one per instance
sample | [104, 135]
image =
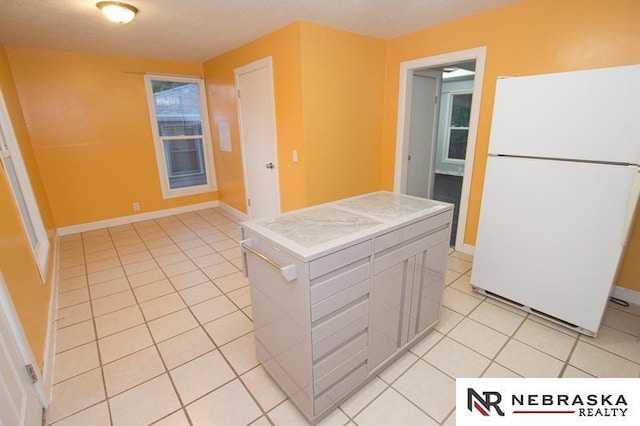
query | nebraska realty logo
[554, 401]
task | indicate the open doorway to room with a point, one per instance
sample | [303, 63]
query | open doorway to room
[437, 123]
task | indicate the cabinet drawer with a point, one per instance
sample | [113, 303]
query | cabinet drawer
[398, 236]
[337, 301]
[340, 281]
[345, 331]
[387, 260]
[341, 355]
[335, 375]
[338, 321]
[340, 389]
[339, 259]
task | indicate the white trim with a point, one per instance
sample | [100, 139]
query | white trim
[447, 136]
[467, 248]
[253, 66]
[123, 220]
[52, 329]
[158, 141]
[406, 69]
[233, 211]
[631, 296]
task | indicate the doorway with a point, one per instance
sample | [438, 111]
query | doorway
[256, 119]
[450, 141]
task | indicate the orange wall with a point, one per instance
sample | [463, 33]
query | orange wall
[90, 131]
[343, 98]
[529, 37]
[284, 47]
[30, 297]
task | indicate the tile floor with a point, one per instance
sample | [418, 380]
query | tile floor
[154, 327]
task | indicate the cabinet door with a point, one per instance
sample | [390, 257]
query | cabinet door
[432, 265]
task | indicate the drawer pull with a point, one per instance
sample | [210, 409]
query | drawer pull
[289, 272]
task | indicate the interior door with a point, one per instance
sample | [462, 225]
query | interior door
[256, 114]
[423, 131]
[19, 403]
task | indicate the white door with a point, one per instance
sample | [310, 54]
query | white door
[19, 403]
[256, 115]
[423, 132]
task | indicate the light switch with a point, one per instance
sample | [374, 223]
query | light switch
[294, 155]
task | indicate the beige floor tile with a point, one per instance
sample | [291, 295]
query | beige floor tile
[75, 361]
[130, 371]
[391, 408]
[516, 310]
[618, 342]
[124, 343]
[213, 238]
[497, 318]
[220, 270]
[171, 258]
[142, 266]
[71, 272]
[201, 376]
[527, 361]
[179, 268]
[171, 325]
[456, 360]
[448, 320]
[335, 418]
[463, 284]
[97, 415]
[179, 418]
[241, 297]
[117, 321]
[601, 363]
[458, 265]
[74, 335]
[164, 249]
[363, 397]
[108, 288]
[74, 283]
[131, 248]
[184, 235]
[76, 394]
[145, 403]
[497, 371]
[225, 244]
[263, 388]
[192, 243]
[73, 297]
[127, 240]
[553, 325]
[572, 372]
[287, 414]
[101, 255]
[213, 309]
[429, 389]
[188, 279]
[153, 290]
[202, 250]
[231, 282]
[461, 255]
[631, 309]
[101, 265]
[229, 327]
[248, 311]
[478, 337]
[113, 302]
[241, 353]
[232, 253]
[459, 301]
[185, 347]
[72, 261]
[106, 275]
[159, 242]
[146, 277]
[398, 367]
[161, 306]
[140, 256]
[73, 314]
[230, 405]
[547, 340]
[199, 293]
[208, 260]
[622, 321]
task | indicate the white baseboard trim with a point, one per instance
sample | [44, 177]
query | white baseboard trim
[235, 212]
[50, 341]
[123, 220]
[466, 248]
[631, 296]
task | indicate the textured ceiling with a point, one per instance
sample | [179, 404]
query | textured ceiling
[197, 30]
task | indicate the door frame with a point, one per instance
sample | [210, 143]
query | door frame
[237, 72]
[404, 113]
[20, 339]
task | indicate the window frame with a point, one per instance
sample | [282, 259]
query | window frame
[447, 140]
[207, 151]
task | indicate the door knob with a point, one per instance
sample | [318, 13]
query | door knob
[269, 165]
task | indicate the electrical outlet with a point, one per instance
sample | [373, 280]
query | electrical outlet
[136, 206]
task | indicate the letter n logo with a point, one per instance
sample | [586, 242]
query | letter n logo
[483, 404]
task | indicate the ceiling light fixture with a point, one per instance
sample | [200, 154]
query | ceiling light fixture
[117, 12]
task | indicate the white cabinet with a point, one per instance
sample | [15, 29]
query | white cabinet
[329, 315]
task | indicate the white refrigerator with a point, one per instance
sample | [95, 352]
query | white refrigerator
[561, 188]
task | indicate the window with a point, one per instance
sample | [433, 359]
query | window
[458, 126]
[181, 133]
[13, 165]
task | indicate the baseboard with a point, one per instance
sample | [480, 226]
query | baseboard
[466, 248]
[631, 296]
[123, 220]
[235, 212]
[50, 341]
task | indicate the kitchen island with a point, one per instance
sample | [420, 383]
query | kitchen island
[341, 290]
